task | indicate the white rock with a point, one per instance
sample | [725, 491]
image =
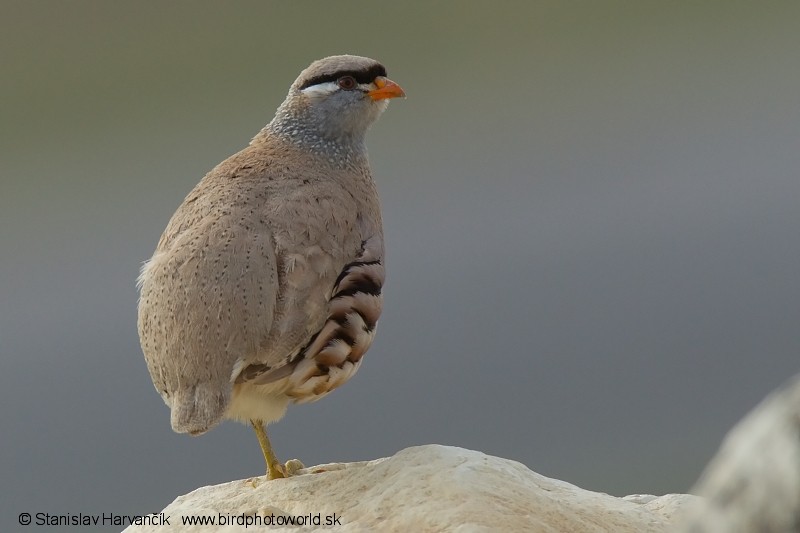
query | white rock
[425, 488]
[753, 483]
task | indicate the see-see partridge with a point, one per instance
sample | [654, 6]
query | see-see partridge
[265, 288]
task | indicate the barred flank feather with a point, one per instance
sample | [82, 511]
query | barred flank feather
[334, 353]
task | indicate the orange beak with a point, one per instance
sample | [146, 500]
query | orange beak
[386, 88]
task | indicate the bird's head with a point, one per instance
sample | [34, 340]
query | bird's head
[336, 99]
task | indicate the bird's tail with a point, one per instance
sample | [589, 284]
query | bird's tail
[197, 409]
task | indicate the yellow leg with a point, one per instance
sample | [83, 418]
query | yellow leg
[275, 469]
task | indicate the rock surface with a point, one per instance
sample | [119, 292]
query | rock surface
[753, 482]
[425, 488]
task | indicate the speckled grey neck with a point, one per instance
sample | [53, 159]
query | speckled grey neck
[342, 150]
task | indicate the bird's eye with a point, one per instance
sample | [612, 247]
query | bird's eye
[348, 83]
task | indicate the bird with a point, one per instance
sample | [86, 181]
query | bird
[265, 288]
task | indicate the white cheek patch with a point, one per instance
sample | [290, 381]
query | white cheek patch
[321, 90]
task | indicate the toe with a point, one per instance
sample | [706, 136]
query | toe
[277, 471]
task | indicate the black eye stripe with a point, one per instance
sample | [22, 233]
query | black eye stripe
[361, 76]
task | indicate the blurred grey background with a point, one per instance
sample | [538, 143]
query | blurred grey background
[592, 214]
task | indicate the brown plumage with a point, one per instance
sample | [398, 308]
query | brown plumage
[265, 287]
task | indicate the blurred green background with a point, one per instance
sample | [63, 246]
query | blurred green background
[592, 214]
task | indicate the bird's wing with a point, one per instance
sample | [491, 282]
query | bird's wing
[207, 297]
[333, 352]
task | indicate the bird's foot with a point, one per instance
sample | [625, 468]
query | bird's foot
[277, 470]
